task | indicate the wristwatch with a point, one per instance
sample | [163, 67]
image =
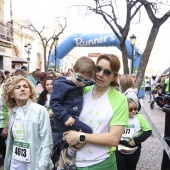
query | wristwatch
[82, 138]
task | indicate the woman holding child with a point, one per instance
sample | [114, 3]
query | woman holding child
[105, 110]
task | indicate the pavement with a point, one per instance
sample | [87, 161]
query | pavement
[152, 150]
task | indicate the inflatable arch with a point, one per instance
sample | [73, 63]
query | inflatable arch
[95, 40]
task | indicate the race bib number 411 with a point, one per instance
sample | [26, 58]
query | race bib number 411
[21, 151]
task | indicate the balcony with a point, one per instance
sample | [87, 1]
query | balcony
[5, 32]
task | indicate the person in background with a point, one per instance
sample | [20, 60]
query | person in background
[21, 73]
[67, 100]
[153, 88]
[3, 118]
[49, 70]
[44, 100]
[40, 86]
[69, 72]
[105, 110]
[147, 85]
[128, 87]
[36, 76]
[52, 75]
[7, 74]
[31, 148]
[62, 74]
[58, 74]
[25, 69]
[2, 78]
[167, 83]
[37, 69]
[135, 132]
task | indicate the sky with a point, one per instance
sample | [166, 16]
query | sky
[45, 11]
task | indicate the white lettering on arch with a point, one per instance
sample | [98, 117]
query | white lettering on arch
[100, 40]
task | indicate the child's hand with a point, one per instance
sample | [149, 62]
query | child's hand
[132, 142]
[70, 122]
[50, 112]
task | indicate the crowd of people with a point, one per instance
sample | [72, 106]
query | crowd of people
[91, 111]
[156, 85]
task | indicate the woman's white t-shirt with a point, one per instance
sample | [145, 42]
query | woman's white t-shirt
[18, 134]
[100, 114]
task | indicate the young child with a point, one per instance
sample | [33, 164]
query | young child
[66, 103]
[153, 87]
[136, 132]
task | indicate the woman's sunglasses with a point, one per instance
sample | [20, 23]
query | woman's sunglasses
[131, 109]
[106, 72]
[81, 79]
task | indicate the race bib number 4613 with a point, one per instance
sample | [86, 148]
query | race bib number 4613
[21, 151]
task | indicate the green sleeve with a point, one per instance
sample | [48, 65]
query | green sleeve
[143, 123]
[87, 89]
[120, 109]
[5, 113]
[167, 84]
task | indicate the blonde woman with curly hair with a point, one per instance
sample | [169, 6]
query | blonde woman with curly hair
[29, 143]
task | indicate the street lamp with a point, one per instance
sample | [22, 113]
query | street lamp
[28, 50]
[132, 40]
[55, 51]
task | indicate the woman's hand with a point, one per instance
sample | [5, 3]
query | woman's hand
[72, 137]
[50, 112]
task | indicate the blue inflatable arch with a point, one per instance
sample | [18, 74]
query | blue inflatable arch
[95, 40]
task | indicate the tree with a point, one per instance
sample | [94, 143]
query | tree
[151, 9]
[107, 9]
[111, 18]
[48, 41]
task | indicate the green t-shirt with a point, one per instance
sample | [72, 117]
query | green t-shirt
[3, 112]
[167, 84]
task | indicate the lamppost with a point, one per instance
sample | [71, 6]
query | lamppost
[55, 51]
[166, 160]
[28, 50]
[132, 40]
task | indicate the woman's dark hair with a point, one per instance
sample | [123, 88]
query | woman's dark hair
[2, 75]
[6, 72]
[43, 96]
[54, 75]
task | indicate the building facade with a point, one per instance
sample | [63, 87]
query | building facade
[6, 40]
[14, 36]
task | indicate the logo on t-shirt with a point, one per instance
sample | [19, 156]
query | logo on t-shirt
[75, 108]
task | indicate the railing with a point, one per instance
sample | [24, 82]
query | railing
[5, 32]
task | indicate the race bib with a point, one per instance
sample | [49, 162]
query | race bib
[128, 131]
[21, 151]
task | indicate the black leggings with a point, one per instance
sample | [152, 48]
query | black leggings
[127, 161]
[2, 144]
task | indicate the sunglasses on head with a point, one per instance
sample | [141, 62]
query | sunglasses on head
[81, 79]
[106, 72]
[131, 109]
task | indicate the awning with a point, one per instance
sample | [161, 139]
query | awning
[19, 60]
